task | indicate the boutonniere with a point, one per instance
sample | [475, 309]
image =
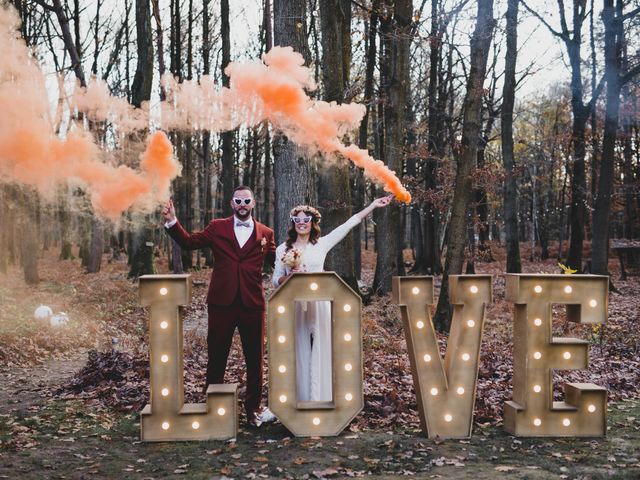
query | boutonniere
[263, 242]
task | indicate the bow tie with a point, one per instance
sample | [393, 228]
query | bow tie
[243, 224]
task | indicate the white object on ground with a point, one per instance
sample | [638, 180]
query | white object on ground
[42, 312]
[59, 319]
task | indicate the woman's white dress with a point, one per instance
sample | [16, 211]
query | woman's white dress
[313, 320]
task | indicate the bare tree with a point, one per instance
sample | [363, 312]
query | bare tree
[294, 172]
[456, 239]
[613, 19]
[334, 191]
[396, 44]
[510, 195]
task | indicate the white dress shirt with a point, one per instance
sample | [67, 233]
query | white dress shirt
[242, 233]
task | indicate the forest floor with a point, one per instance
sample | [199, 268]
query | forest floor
[69, 403]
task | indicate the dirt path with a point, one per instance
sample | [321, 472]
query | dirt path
[21, 388]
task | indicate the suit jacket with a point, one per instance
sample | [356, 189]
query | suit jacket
[235, 269]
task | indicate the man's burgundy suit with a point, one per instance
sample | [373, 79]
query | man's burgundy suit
[235, 297]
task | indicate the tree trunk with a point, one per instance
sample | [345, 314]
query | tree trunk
[397, 43]
[29, 237]
[480, 43]
[613, 38]
[97, 246]
[363, 141]
[228, 171]
[296, 184]
[431, 262]
[142, 261]
[510, 193]
[334, 191]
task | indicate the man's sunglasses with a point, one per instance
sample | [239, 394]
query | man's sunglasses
[239, 201]
[301, 219]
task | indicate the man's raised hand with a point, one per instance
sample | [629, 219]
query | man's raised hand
[169, 211]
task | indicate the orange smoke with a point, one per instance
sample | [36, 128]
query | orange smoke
[274, 89]
[31, 153]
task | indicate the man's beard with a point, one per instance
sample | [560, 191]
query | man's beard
[241, 216]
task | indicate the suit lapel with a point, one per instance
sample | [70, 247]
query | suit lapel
[230, 234]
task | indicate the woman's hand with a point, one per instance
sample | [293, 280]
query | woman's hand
[382, 202]
[300, 269]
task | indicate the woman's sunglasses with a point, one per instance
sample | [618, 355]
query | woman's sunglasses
[301, 219]
[239, 201]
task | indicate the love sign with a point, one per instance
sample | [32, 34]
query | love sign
[445, 388]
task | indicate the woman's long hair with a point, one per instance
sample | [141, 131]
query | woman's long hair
[314, 233]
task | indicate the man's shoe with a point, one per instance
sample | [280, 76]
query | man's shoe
[266, 416]
[253, 419]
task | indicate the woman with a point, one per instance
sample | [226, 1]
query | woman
[305, 251]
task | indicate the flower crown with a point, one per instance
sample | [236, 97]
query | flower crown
[306, 209]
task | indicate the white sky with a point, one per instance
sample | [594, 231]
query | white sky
[537, 44]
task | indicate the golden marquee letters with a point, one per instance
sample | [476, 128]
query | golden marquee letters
[445, 388]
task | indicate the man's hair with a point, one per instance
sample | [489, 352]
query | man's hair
[244, 187]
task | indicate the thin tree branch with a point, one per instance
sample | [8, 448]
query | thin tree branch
[630, 74]
[47, 7]
[595, 95]
[630, 14]
[563, 35]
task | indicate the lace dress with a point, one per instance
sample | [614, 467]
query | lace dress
[313, 320]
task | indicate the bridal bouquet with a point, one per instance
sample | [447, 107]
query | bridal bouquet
[292, 258]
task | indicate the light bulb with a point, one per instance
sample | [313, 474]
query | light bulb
[537, 422]
[195, 425]
[347, 308]
[164, 325]
[471, 323]
[568, 289]
[347, 337]
[348, 367]
[420, 324]
[427, 358]
[466, 357]
[283, 398]
[165, 425]
[566, 355]
[164, 358]
[460, 390]
[316, 421]
[163, 291]
[221, 411]
[537, 289]
[537, 322]
[282, 339]
[313, 286]
[348, 397]
[537, 388]
[537, 355]
[593, 303]
[281, 309]
[434, 391]
[282, 369]
[415, 290]
[566, 422]
[591, 408]
[164, 392]
[473, 289]
[448, 417]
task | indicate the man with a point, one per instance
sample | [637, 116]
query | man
[235, 298]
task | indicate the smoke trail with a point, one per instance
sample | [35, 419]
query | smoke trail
[272, 89]
[32, 154]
